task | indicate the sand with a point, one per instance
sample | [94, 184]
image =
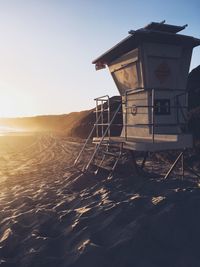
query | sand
[52, 215]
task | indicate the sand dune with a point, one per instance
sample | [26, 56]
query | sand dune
[52, 215]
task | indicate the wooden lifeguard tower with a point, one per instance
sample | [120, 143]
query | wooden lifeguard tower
[150, 69]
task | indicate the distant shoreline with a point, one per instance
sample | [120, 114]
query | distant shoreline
[22, 133]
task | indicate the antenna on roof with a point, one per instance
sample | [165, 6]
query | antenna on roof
[163, 21]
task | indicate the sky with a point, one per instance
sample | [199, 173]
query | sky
[47, 47]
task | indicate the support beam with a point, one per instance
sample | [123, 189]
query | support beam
[192, 171]
[174, 165]
[144, 160]
[135, 166]
[184, 167]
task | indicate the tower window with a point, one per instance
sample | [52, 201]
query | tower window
[162, 107]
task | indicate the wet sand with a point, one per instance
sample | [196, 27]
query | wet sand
[52, 215]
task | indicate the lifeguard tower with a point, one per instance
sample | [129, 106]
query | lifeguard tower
[150, 69]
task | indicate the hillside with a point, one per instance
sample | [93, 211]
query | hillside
[79, 124]
[82, 126]
[59, 123]
[194, 102]
[53, 214]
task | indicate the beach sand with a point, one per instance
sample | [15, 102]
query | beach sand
[53, 215]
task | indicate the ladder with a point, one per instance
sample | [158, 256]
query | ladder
[108, 151]
[104, 148]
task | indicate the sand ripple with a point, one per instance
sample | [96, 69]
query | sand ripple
[51, 215]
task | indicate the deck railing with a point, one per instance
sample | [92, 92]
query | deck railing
[104, 117]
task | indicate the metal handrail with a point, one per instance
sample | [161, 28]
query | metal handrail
[153, 125]
[142, 89]
[86, 142]
[181, 110]
[102, 138]
[177, 106]
[146, 106]
[102, 99]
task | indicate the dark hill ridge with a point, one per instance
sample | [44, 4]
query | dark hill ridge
[79, 124]
[83, 126]
[194, 101]
[75, 124]
[194, 88]
[59, 123]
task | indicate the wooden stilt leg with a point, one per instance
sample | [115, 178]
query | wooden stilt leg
[135, 166]
[144, 160]
[173, 165]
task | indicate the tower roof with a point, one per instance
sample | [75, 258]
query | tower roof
[153, 32]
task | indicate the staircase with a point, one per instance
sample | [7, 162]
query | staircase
[107, 157]
[105, 150]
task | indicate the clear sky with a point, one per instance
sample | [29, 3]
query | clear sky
[47, 46]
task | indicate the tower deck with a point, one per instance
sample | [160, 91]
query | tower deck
[160, 143]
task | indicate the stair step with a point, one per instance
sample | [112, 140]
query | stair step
[107, 142]
[97, 111]
[104, 143]
[107, 168]
[112, 154]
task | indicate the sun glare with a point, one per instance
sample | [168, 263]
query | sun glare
[4, 130]
[14, 102]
